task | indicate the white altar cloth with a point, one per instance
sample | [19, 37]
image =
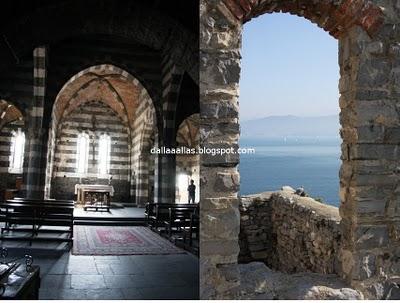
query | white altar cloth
[80, 190]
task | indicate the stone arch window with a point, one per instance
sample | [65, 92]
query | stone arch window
[82, 153]
[104, 155]
[17, 152]
[289, 108]
[367, 226]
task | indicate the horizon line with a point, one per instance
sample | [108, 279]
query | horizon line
[289, 115]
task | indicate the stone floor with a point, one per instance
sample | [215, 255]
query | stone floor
[258, 282]
[65, 276]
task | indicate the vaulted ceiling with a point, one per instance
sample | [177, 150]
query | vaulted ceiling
[188, 133]
[103, 84]
[8, 113]
[166, 26]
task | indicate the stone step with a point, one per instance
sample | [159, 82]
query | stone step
[115, 222]
[109, 221]
[108, 218]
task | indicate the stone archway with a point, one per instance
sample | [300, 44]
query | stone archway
[335, 17]
[123, 94]
[368, 180]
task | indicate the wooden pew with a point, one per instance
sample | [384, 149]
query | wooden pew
[57, 201]
[194, 229]
[150, 213]
[157, 213]
[51, 212]
[37, 213]
[178, 219]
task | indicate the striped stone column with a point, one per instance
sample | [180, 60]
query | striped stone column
[36, 136]
[142, 142]
[157, 174]
[172, 77]
[167, 179]
[142, 169]
[132, 186]
[142, 181]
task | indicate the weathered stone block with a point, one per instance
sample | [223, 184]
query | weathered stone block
[367, 237]
[220, 224]
[212, 184]
[374, 72]
[376, 112]
[219, 110]
[371, 134]
[375, 180]
[227, 182]
[208, 204]
[221, 68]
[220, 252]
[367, 266]
[375, 48]
[392, 135]
[219, 155]
[217, 132]
[374, 152]
[371, 206]
[370, 95]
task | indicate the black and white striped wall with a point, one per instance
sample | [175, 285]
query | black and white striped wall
[7, 179]
[94, 118]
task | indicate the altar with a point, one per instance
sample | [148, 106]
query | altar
[95, 196]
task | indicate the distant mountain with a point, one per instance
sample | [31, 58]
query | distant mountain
[291, 126]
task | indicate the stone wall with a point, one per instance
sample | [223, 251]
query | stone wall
[289, 233]
[220, 40]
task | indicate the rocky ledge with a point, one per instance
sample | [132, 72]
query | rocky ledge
[261, 283]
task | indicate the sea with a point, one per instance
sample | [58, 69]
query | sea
[311, 163]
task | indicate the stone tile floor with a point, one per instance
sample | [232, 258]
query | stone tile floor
[67, 277]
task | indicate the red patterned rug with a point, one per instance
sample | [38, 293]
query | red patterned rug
[115, 240]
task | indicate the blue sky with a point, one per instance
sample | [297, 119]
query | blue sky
[289, 67]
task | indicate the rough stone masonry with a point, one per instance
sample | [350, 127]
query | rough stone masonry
[369, 47]
[289, 233]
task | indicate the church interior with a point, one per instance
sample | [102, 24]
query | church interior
[89, 93]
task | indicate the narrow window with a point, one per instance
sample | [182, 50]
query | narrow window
[17, 152]
[104, 154]
[82, 153]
